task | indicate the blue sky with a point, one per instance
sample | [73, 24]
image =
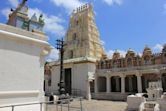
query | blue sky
[122, 24]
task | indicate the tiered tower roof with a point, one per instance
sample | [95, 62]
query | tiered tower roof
[82, 37]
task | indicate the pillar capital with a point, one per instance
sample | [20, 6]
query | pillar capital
[157, 71]
[96, 84]
[122, 75]
[138, 74]
[108, 84]
[108, 76]
[122, 84]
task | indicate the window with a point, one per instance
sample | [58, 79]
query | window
[71, 54]
[129, 62]
[102, 65]
[165, 58]
[49, 82]
[77, 22]
[74, 36]
[115, 63]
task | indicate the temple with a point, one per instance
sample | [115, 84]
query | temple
[130, 74]
[81, 51]
[87, 69]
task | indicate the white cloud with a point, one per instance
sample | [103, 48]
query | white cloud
[53, 24]
[69, 5]
[140, 54]
[111, 2]
[6, 12]
[165, 7]
[102, 42]
[111, 52]
[13, 3]
[53, 56]
[157, 48]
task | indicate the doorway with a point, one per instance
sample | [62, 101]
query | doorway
[164, 82]
[68, 80]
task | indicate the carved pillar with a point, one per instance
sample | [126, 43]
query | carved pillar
[88, 96]
[96, 83]
[139, 83]
[108, 84]
[123, 84]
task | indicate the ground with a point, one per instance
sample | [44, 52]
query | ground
[93, 105]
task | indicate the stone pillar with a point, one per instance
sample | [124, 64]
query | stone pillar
[108, 84]
[160, 83]
[88, 96]
[122, 84]
[139, 83]
[96, 83]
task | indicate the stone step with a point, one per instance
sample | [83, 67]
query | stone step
[111, 96]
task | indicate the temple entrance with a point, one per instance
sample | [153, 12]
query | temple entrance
[68, 80]
[131, 84]
[115, 84]
[164, 82]
[102, 84]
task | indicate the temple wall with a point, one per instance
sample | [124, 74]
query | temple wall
[79, 74]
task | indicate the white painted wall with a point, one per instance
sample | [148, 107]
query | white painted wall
[79, 75]
[21, 69]
[55, 73]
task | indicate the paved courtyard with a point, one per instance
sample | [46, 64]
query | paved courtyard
[93, 105]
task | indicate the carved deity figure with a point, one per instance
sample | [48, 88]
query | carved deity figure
[25, 25]
[41, 19]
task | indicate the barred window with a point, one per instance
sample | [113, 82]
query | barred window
[147, 60]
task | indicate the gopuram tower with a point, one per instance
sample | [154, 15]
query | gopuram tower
[82, 49]
[82, 37]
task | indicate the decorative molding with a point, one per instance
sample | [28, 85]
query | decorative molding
[22, 37]
[18, 94]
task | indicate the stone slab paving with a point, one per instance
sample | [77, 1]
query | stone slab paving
[93, 105]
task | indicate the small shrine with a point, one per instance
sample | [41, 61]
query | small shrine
[19, 18]
[154, 91]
